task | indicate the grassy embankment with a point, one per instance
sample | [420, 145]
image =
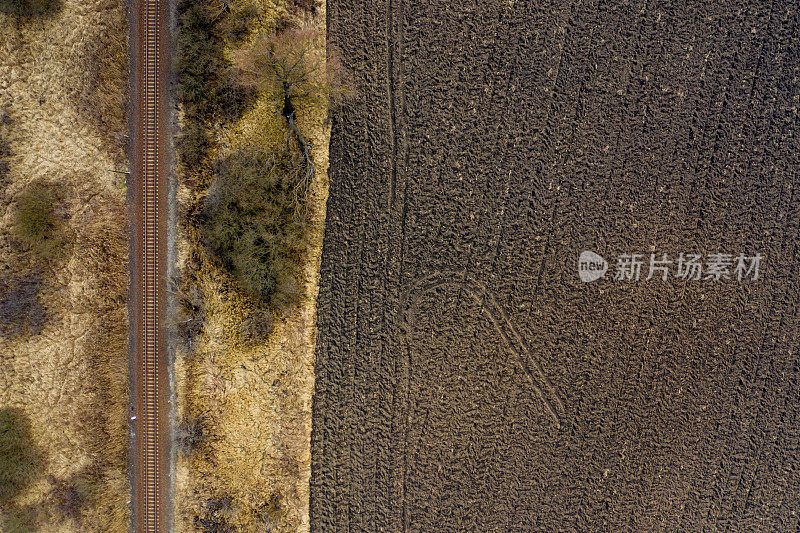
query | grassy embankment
[63, 266]
[248, 250]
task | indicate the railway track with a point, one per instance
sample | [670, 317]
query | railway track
[150, 471]
[150, 292]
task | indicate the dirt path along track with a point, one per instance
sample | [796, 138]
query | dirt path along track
[150, 385]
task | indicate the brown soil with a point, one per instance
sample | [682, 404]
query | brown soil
[467, 380]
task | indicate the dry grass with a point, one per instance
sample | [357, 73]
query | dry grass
[62, 102]
[249, 466]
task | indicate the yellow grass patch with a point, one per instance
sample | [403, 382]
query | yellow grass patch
[62, 105]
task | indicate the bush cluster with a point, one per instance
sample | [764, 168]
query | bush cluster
[191, 435]
[304, 6]
[251, 224]
[5, 149]
[206, 86]
[192, 313]
[216, 516]
[236, 25]
[5, 152]
[69, 496]
[256, 326]
[34, 218]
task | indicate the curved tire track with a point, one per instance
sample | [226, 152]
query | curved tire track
[502, 324]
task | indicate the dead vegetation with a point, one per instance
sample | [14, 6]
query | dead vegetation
[101, 95]
[21, 309]
[63, 261]
[252, 196]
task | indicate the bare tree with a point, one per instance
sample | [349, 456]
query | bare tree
[294, 67]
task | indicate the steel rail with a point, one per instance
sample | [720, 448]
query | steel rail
[150, 288]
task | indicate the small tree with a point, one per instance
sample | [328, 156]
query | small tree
[293, 67]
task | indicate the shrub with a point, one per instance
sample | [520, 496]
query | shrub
[34, 218]
[19, 519]
[304, 6]
[236, 25]
[269, 513]
[30, 8]
[69, 496]
[5, 152]
[5, 149]
[216, 516]
[193, 145]
[206, 87]
[250, 223]
[199, 60]
[192, 312]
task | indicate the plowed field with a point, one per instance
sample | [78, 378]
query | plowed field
[467, 379]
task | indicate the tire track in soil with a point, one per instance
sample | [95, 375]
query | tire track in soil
[394, 20]
[745, 465]
[502, 324]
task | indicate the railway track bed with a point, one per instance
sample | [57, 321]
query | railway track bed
[149, 383]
